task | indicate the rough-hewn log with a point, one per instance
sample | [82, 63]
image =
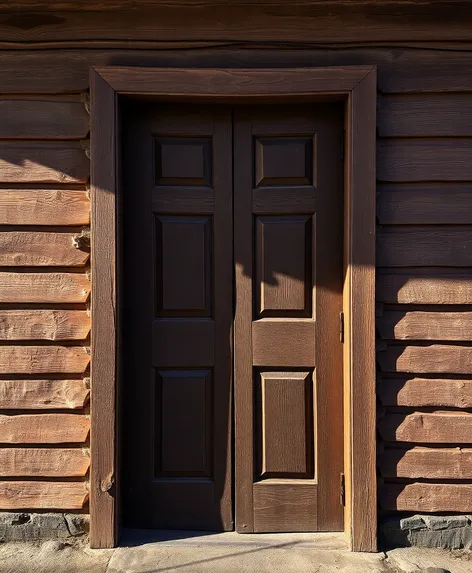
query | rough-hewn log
[37, 248]
[43, 462]
[415, 288]
[399, 70]
[43, 428]
[426, 463]
[426, 497]
[432, 115]
[427, 427]
[423, 325]
[416, 247]
[436, 358]
[424, 159]
[425, 392]
[44, 207]
[43, 394]
[43, 359]
[43, 162]
[424, 204]
[16, 495]
[44, 287]
[40, 117]
[316, 21]
[44, 324]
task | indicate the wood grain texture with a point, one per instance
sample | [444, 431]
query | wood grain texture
[43, 428]
[428, 288]
[413, 246]
[44, 207]
[360, 292]
[425, 392]
[44, 287]
[43, 359]
[43, 462]
[426, 463]
[42, 394]
[15, 495]
[43, 162]
[27, 248]
[211, 20]
[426, 497]
[431, 115]
[424, 325]
[44, 324]
[436, 358]
[432, 427]
[424, 160]
[103, 526]
[399, 70]
[424, 204]
[40, 117]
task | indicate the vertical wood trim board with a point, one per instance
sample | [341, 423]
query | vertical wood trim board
[103, 373]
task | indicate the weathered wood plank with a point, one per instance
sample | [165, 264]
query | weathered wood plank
[426, 497]
[38, 248]
[426, 463]
[43, 162]
[432, 288]
[425, 204]
[43, 394]
[43, 287]
[40, 117]
[425, 392]
[44, 324]
[427, 427]
[43, 359]
[43, 428]
[416, 247]
[436, 358]
[44, 207]
[399, 70]
[43, 462]
[431, 115]
[422, 325]
[424, 159]
[261, 21]
[16, 495]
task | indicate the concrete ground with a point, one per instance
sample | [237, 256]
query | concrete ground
[226, 553]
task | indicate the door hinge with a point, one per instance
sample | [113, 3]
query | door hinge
[342, 497]
[341, 326]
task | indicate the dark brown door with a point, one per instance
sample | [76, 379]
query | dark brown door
[288, 217]
[178, 270]
[282, 168]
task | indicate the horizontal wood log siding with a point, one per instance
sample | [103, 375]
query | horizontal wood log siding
[44, 290]
[424, 216]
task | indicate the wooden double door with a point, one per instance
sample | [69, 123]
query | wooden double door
[232, 293]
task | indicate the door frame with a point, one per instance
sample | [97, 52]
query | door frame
[356, 85]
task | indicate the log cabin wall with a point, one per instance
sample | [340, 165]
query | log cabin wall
[424, 235]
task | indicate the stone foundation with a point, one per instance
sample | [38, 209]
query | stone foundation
[441, 531]
[41, 526]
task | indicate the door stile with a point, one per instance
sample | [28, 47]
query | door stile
[243, 375]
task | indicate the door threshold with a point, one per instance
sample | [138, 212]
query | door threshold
[179, 538]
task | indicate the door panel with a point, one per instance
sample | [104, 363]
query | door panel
[288, 217]
[178, 308]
